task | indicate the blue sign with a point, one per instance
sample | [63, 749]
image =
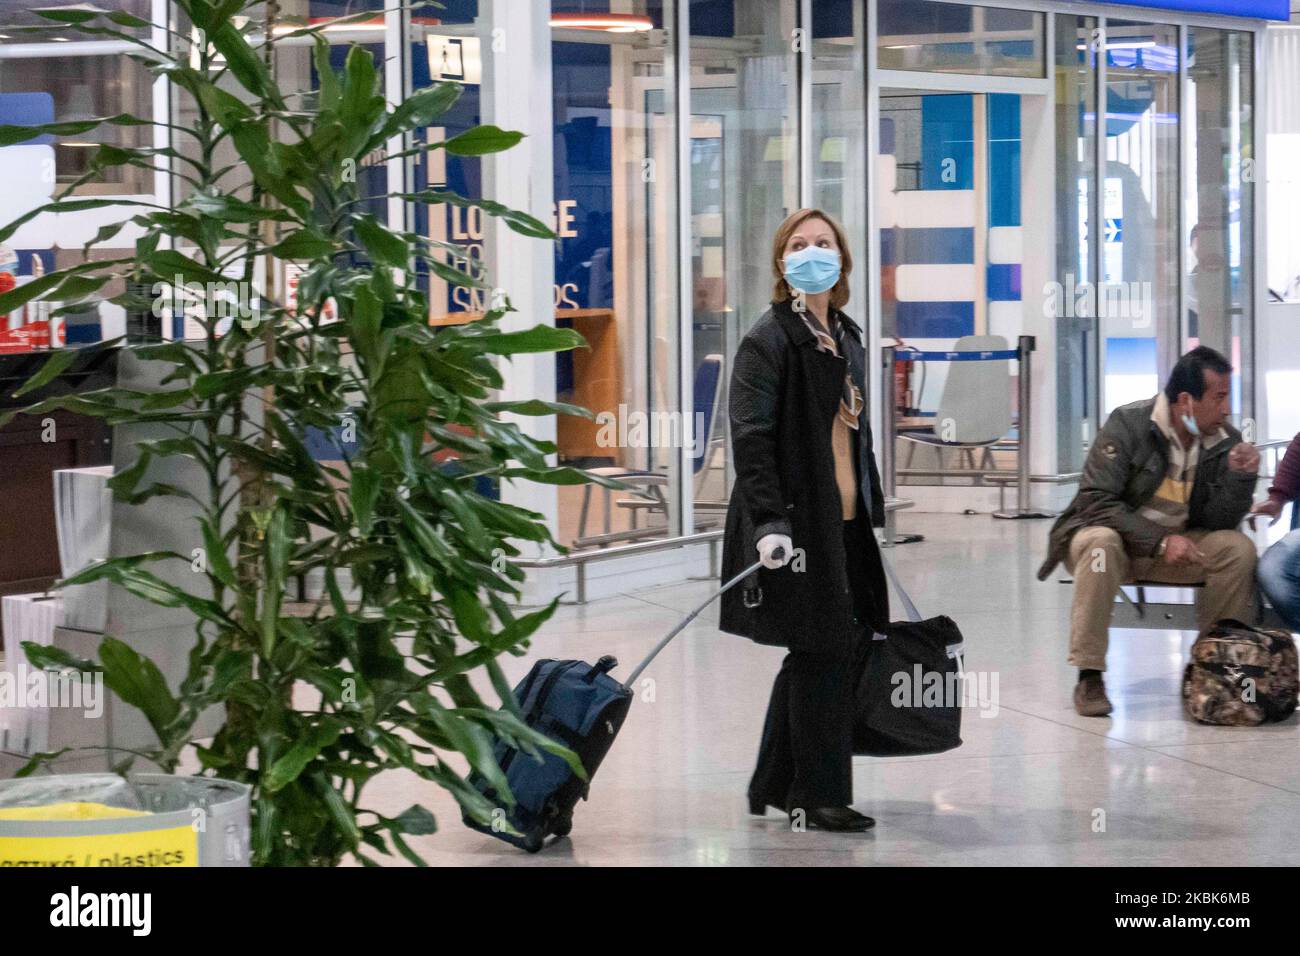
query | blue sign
[1254, 9]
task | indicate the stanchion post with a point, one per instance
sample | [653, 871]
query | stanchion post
[1025, 352]
[888, 422]
[1025, 452]
[888, 446]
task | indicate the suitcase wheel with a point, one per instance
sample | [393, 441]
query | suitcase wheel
[534, 841]
[563, 826]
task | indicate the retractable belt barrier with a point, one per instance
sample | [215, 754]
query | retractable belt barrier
[1023, 355]
[1000, 355]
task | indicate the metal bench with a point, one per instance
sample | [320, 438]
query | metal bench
[1157, 606]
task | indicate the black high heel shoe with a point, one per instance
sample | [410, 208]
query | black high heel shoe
[837, 820]
[758, 808]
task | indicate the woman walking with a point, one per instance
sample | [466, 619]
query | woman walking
[806, 497]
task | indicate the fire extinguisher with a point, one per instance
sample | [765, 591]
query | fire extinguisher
[902, 378]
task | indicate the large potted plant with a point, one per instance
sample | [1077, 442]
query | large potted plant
[418, 594]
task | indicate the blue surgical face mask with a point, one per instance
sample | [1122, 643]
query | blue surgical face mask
[1190, 424]
[812, 269]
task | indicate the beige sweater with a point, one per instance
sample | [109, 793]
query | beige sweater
[846, 472]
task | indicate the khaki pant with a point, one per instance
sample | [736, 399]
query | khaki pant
[1100, 565]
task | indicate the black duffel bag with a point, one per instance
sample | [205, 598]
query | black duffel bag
[909, 686]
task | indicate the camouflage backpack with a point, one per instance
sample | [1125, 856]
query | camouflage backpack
[1241, 676]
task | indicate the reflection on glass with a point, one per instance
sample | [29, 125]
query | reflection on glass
[441, 52]
[1075, 61]
[955, 38]
[951, 240]
[1219, 196]
[59, 88]
[744, 131]
[616, 272]
[1281, 78]
[839, 134]
[1137, 302]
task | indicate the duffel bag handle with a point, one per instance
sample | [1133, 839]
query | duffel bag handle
[913, 614]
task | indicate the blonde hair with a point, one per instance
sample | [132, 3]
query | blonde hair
[781, 290]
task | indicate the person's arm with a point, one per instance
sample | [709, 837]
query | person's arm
[877, 501]
[754, 400]
[1286, 483]
[1101, 491]
[1229, 500]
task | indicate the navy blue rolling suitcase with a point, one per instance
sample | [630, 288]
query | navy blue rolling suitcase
[580, 706]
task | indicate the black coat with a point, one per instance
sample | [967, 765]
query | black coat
[783, 399]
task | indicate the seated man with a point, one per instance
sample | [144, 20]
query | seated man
[1279, 569]
[1165, 485]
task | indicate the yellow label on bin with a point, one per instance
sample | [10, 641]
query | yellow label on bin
[69, 811]
[174, 846]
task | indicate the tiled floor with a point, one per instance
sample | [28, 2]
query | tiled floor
[1032, 784]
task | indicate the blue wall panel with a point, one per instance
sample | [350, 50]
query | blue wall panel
[935, 320]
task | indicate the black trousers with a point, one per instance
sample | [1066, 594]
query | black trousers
[805, 758]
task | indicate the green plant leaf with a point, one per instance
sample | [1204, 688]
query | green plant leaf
[482, 140]
[419, 109]
[342, 815]
[364, 493]
[415, 820]
[404, 848]
[475, 744]
[367, 317]
[302, 244]
[123, 483]
[306, 749]
[46, 656]
[540, 338]
[245, 65]
[384, 247]
[54, 366]
[536, 406]
[141, 583]
[275, 564]
[12, 135]
[138, 682]
[217, 560]
[520, 222]
[327, 81]
[61, 206]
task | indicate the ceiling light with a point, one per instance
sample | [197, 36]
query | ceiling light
[608, 22]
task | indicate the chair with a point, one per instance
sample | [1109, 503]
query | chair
[648, 485]
[975, 409]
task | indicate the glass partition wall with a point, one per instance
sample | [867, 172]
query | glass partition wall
[683, 131]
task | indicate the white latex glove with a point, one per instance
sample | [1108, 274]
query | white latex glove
[769, 544]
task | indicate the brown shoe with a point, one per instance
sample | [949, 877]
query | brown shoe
[1090, 698]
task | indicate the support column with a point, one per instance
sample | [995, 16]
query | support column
[1038, 176]
[515, 41]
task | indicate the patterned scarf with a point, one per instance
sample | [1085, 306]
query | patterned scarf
[851, 400]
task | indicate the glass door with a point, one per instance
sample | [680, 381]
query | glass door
[949, 210]
[1137, 304]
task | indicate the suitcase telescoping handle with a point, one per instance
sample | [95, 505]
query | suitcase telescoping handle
[693, 615]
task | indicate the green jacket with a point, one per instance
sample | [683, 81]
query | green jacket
[1126, 465]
